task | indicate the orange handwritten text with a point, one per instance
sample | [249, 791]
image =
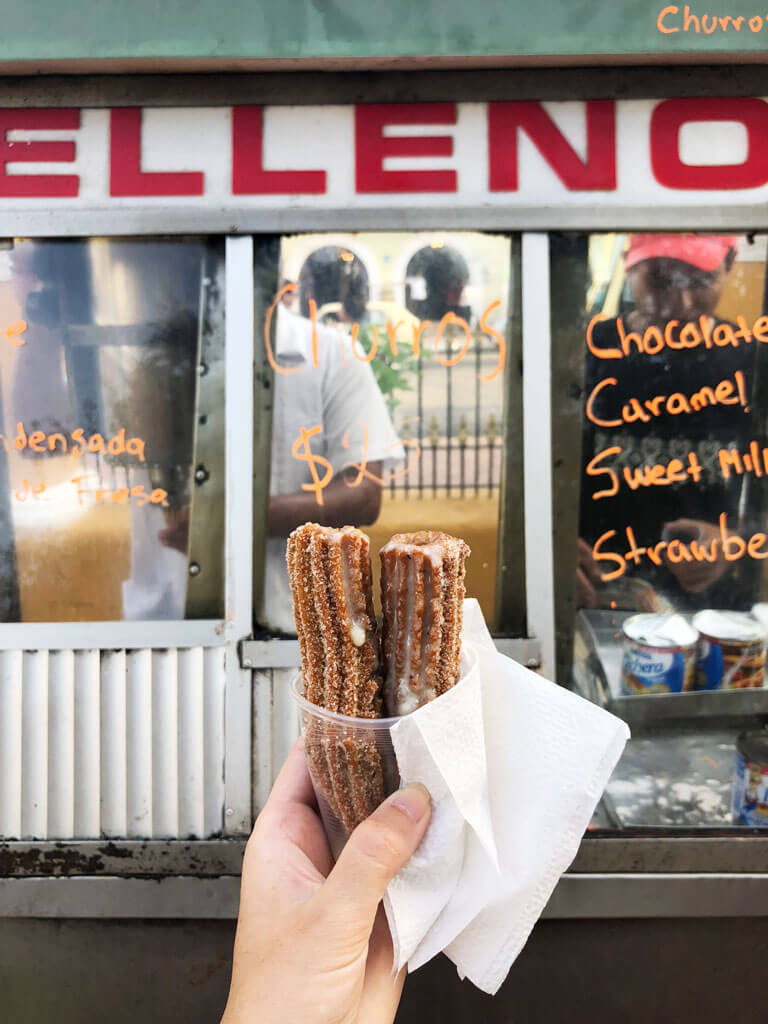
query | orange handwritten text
[32, 491]
[13, 332]
[754, 461]
[364, 473]
[657, 475]
[691, 335]
[77, 443]
[668, 22]
[728, 546]
[137, 495]
[725, 392]
[302, 450]
[417, 330]
[498, 338]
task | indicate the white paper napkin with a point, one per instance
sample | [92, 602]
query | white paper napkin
[515, 766]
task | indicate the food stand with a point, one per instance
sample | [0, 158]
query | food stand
[471, 228]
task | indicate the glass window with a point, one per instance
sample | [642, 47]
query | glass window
[389, 352]
[112, 454]
[663, 567]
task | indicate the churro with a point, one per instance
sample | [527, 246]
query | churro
[422, 590]
[330, 575]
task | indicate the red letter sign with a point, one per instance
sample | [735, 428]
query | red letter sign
[37, 185]
[248, 174]
[597, 172]
[372, 146]
[126, 177]
[669, 117]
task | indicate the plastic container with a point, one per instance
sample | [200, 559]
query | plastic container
[351, 763]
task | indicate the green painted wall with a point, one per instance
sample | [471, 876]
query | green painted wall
[322, 29]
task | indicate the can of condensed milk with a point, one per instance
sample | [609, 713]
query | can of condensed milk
[659, 654]
[749, 800]
[731, 651]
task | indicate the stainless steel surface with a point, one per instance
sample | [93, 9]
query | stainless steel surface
[115, 898]
[730, 851]
[676, 771]
[581, 971]
[641, 711]
[588, 896]
[675, 779]
[659, 896]
[208, 494]
[602, 630]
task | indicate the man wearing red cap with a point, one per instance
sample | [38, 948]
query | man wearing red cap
[674, 284]
[676, 277]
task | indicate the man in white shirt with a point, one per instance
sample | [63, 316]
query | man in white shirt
[356, 439]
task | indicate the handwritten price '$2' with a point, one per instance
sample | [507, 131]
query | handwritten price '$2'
[302, 451]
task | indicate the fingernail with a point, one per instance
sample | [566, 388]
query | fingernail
[413, 801]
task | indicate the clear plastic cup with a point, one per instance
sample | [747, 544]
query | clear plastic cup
[351, 763]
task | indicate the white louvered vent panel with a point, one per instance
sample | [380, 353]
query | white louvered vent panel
[111, 743]
[275, 728]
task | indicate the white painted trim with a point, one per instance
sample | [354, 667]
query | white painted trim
[84, 636]
[213, 219]
[239, 530]
[537, 446]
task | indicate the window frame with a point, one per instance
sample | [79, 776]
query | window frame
[182, 633]
[736, 858]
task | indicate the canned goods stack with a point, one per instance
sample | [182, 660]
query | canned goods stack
[731, 651]
[659, 654]
[750, 780]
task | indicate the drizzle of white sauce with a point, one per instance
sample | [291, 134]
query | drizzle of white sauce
[356, 626]
[407, 702]
[403, 683]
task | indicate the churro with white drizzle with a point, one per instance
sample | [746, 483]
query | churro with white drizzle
[422, 589]
[330, 574]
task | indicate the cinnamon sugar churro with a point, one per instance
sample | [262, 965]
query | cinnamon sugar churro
[330, 575]
[422, 590]
[422, 583]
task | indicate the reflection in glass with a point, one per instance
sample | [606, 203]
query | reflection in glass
[391, 348]
[102, 405]
[672, 540]
[668, 387]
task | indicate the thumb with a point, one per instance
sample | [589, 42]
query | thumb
[375, 852]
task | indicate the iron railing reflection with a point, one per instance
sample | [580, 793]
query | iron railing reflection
[453, 446]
